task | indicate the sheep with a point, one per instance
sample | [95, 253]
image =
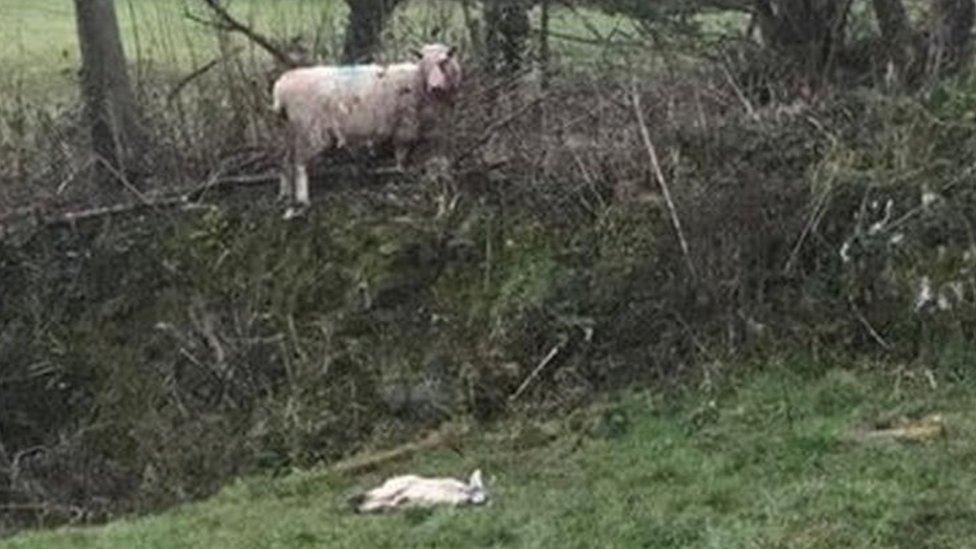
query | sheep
[414, 491]
[330, 107]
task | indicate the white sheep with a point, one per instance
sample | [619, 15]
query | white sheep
[328, 107]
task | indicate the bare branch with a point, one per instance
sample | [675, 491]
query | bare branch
[538, 369]
[198, 72]
[659, 175]
[226, 21]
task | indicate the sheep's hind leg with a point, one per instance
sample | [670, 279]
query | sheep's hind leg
[301, 193]
[285, 190]
[402, 153]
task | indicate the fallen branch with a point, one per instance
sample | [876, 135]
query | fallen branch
[659, 175]
[76, 513]
[74, 217]
[372, 461]
[538, 369]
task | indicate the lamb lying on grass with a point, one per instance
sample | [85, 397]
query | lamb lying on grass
[414, 491]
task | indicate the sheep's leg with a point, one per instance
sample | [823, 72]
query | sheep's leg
[285, 183]
[402, 153]
[301, 192]
[301, 185]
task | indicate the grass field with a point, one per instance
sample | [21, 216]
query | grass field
[776, 460]
[40, 54]
[40, 49]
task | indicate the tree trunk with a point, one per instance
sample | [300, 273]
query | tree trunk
[367, 18]
[110, 106]
[544, 45]
[950, 38]
[809, 32]
[506, 34]
[896, 39]
[942, 48]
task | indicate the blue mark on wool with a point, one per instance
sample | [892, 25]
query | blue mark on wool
[353, 72]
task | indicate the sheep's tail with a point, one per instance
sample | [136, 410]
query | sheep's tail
[277, 105]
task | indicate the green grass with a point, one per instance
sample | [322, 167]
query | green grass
[40, 47]
[40, 53]
[771, 462]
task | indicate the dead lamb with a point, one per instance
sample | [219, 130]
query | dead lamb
[331, 107]
[415, 491]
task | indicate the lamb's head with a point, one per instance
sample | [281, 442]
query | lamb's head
[477, 495]
[440, 70]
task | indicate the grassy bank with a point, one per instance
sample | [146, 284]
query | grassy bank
[781, 457]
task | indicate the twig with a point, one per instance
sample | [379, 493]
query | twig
[538, 369]
[491, 130]
[907, 216]
[656, 167]
[71, 177]
[593, 41]
[125, 181]
[818, 212]
[867, 325]
[198, 72]
[750, 110]
[219, 182]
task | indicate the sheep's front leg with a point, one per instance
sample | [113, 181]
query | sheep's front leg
[284, 184]
[301, 192]
[301, 185]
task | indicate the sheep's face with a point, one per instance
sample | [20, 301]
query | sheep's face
[476, 489]
[441, 71]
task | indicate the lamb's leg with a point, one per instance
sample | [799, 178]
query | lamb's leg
[301, 192]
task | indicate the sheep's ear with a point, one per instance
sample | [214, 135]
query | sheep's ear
[416, 53]
[475, 480]
[452, 51]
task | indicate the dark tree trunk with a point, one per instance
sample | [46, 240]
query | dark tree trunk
[950, 39]
[897, 40]
[506, 34]
[110, 106]
[941, 48]
[809, 32]
[367, 18]
[893, 22]
[544, 44]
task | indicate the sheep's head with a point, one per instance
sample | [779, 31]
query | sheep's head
[440, 70]
[477, 495]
